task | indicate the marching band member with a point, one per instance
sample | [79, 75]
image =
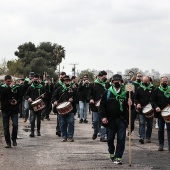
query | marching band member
[66, 94]
[142, 99]
[10, 99]
[49, 88]
[95, 93]
[83, 90]
[35, 90]
[159, 100]
[58, 84]
[113, 108]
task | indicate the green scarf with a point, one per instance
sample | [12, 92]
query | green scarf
[118, 96]
[146, 88]
[137, 82]
[64, 88]
[100, 82]
[37, 87]
[27, 79]
[4, 85]
[14, 88]
[166, 92]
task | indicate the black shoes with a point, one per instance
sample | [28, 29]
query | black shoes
[14, 143]
[161, 148]
[81, 121]
[32, 135]
[148, 140]
[141, 141]
[38, 133]
[103, 140]
[70, 140]
[8, 145]
[58, 133]
[94, 136]
[85, 121]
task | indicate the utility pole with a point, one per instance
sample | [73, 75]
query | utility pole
[74, 68]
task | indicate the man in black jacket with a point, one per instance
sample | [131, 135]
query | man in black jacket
[10, 100]
[142, 99]
[160, 99]
[95, 94]
[113, 109]
[66, 95]
[49, 88]
[83, 90]
[35, 90]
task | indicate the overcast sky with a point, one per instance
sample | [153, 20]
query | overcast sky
[96, 34]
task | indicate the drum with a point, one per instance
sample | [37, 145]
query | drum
[64, 108]
[97, 104]
[166, 114]
[38, 105]
[148, 111]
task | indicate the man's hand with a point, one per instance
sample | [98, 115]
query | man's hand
[42, 95]
[70, 100]
[55, 103]
[129, 102]
[158, 109]
[104, 120]
[138, 106]
[92, 101]
[30, 100]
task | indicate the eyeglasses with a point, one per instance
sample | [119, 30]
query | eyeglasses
[139, 76]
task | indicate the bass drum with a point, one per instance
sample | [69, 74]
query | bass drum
[166, 114]
[148, 111]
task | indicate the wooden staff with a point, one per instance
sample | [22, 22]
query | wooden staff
[129, 87]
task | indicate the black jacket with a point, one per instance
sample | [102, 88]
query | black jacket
[34, 91]
[142, 96]
[61, 97]
[49, 88]
[95, 92]
[110, 109]
[83, 90]
[7, 94]
[158, 99]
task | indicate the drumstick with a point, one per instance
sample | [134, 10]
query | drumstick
[39, 97]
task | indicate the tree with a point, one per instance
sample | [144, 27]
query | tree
[58, 54]
[90, 74]
[3, 66]
[132, 72]
[44, 57]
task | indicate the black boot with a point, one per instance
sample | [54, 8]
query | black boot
[32, 134]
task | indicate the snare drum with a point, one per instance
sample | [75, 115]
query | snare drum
[166, 114]
[97, 104]
[38, 105]
[64, 108]
[148, 111]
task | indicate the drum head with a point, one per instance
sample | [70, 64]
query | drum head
[62, 105]
[37, 101]
[147, 108]
[166, 111]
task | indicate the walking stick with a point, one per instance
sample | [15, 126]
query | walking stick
[129, 87]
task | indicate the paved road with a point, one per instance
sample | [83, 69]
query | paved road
[49, 152]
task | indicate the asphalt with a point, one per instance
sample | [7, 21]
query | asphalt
[48, 152]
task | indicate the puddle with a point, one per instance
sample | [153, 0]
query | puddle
[27, 130]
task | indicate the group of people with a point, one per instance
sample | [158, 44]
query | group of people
[108, 100]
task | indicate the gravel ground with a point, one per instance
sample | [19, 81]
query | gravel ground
[49, 152]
